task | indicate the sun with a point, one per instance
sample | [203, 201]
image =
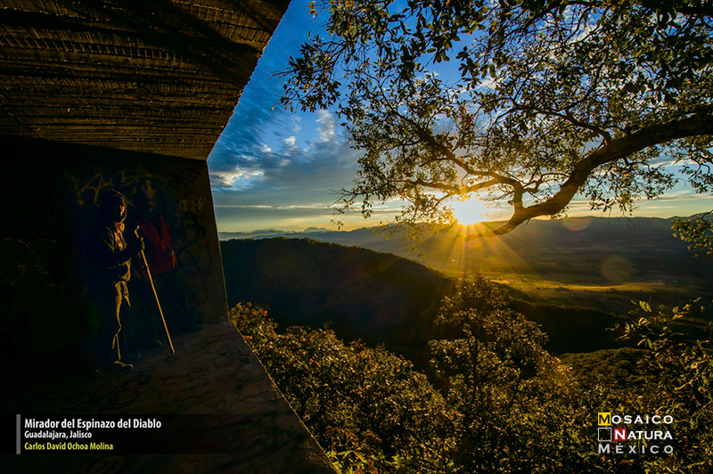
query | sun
[469, 212]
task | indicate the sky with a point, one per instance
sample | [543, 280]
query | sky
[276, 169]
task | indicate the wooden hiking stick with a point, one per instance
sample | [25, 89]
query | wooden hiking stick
[158, 303]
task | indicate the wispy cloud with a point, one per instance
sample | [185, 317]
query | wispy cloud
[326, 129]
[238, 178]
[284, 184]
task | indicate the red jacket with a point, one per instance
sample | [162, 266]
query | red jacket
[157, 239]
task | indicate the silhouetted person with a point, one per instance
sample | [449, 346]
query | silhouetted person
[109, 251]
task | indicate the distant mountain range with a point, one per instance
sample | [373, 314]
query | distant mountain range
[594, 251]
[270, 233]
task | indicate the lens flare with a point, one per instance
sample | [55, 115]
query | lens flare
[616, 269]
[576, 223]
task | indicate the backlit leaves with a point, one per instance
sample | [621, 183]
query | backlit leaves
[550, 99]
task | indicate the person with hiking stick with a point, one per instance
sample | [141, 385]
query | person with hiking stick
[108, 255]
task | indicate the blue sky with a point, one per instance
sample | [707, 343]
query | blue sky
[274, 169]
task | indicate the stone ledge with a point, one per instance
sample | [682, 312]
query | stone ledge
[213, 372]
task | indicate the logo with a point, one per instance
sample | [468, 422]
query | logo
[620, 434]
[634, 434]
[604, 435]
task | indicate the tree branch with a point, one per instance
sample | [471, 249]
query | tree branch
[567, 116]
[698, 124]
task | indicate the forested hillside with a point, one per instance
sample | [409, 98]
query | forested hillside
[379, 298]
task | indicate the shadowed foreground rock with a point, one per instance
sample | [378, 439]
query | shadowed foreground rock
[213, 373]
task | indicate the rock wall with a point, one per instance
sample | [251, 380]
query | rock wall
[48, 196]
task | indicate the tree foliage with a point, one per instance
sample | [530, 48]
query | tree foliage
[683, 370]
[698, 232]
[495, 400]
[550, 99]
[517, 407]
[369, 409]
